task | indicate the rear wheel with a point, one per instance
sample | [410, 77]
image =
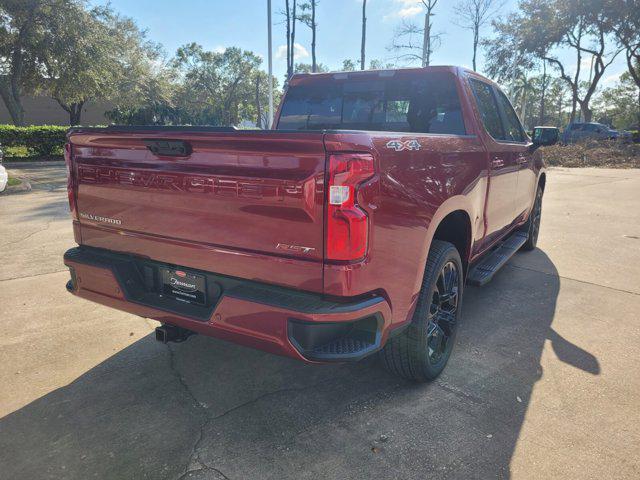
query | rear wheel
[421, 352]
[532, 227]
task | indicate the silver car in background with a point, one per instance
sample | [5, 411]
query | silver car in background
[577, 132]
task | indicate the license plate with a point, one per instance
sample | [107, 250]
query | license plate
[184, 286]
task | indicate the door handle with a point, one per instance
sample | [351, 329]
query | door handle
[497, 162]
[522, 160]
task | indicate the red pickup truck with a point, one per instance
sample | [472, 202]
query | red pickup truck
[350, 228]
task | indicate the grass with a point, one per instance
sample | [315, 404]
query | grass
[13, 181]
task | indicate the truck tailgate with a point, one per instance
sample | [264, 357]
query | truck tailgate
[257, 196]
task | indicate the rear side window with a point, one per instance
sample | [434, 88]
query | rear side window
[513, 128]
[427, 105]
[488, 108]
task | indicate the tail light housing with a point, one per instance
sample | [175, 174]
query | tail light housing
[347, 223]
[70, 181]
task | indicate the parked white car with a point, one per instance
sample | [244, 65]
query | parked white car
[4, 176]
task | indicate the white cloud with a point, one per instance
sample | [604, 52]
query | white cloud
[406, 8]
[409, 11]
[298, 50]
[219, 49]
[611, 79]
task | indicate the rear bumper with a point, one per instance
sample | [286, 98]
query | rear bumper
[306, 326]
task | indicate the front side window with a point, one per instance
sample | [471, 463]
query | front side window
[427, 105]
[488, 108]
[513, 128]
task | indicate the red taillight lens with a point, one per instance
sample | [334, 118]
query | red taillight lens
[347, 224]
[70, 183]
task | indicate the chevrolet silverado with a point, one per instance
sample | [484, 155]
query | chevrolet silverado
[351, 227]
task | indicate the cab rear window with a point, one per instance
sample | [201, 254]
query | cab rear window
[428, 105]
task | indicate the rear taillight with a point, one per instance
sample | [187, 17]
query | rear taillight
[347, 223]
[70, 182]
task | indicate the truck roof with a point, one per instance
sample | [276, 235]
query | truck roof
[307, 78]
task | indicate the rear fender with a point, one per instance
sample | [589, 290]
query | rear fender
[451, 205]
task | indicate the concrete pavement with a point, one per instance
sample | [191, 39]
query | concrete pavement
[543, 383]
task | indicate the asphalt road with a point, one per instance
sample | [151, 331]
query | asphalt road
[544, 381]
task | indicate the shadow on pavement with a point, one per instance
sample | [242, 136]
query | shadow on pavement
[219, 410]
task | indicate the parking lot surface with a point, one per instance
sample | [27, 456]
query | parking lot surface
[543, 383]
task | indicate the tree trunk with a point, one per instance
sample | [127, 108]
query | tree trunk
[476, 35]
[559, 122]
[364, 34]
[543, 93]
[314, 66]
[426, 40]
[259, 120]
[293, 37]
[587, 113]
[75, 113]
[574, 106]
[13, 104]
[288, 17]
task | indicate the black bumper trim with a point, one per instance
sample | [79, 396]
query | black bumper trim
[129, 271]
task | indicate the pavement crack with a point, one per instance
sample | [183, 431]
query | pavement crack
[203, 467]
[194, 456]
[28, 236]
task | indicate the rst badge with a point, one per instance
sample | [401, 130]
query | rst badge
[400, 145]
[294, 248]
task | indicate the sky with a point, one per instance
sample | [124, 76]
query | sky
[217, 24]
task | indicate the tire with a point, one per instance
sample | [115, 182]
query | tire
[418, 353]
[532, 227]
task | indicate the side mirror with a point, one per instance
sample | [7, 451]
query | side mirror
[545, 136]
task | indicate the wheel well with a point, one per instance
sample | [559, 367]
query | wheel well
[455, 228]
[542, 181]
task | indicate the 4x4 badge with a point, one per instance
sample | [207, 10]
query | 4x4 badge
[400, 145]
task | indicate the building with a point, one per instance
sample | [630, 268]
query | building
[42, 110]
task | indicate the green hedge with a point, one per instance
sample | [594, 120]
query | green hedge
[39, 140]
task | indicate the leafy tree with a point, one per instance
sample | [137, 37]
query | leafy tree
[473, 15]
[348, 65]
[308, 68]
[561, 97]
[257, 110]
[506, 56]
[97, 55]
[618, 105]
[27, 30]
[153, 102]
[579, 25]
[379, 65]
[218, 88]
[523, 87]
[623, 17]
